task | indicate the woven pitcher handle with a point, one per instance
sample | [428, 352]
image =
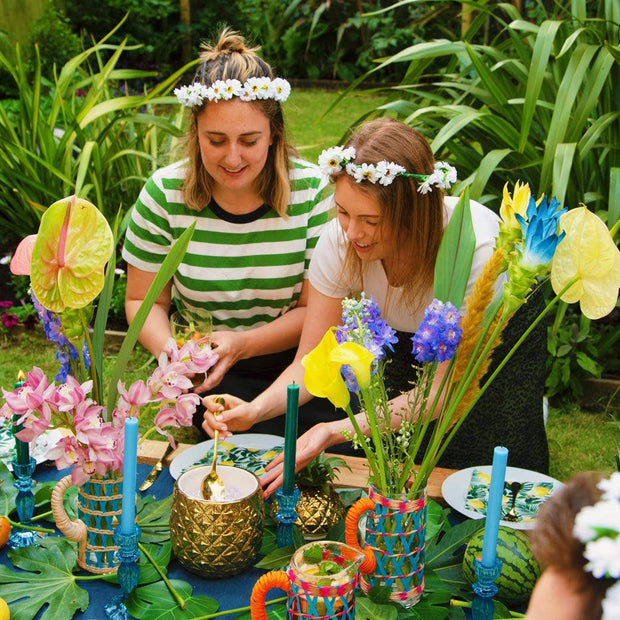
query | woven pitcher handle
[73, 530]
[274, 579]
[359, 508]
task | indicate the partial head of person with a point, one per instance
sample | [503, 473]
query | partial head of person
[389, 198]
[236, 142]
[576, 539]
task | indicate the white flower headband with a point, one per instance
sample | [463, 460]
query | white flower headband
[253, 89]
[332, 160]
[598, 527]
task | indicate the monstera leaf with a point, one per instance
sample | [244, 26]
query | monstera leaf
[47, 581]
[154, 519]
[72, 247]
[8, 492]
[160, 554]
[156, 603]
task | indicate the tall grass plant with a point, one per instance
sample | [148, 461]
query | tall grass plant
[85, 133]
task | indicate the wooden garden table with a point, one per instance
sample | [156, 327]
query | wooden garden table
[150, 451]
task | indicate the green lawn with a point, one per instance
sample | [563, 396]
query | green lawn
[312, 128]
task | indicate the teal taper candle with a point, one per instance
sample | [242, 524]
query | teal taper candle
[290, 437]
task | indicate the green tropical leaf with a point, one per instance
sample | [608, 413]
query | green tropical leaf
[455, 254]
[442, 553]
[165, 273]
[160, 554]
[366, 609]
[8, 492]
[153, 517]
[47, 581]
[277, 559]
[155, 602]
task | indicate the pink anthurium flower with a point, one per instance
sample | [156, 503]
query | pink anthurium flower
[20, 263]
[69, 255]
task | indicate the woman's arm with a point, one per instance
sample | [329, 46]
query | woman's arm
[156, 330]
[322, 312]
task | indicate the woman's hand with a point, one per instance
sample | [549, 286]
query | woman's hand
[309, 445]
[234, 414]
[230, 348]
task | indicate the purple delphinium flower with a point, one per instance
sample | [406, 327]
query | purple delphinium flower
[53, 330]
[363, 324]
[439, 333]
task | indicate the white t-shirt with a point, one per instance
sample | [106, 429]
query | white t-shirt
[327, 263]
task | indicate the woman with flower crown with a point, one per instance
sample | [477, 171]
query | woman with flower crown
[576, 539]
[258, 212]
[391, 214]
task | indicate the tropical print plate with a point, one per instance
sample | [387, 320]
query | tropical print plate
[527, 502]
[251, 451]
[466, 491]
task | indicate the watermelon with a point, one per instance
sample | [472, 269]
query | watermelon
[520, 570]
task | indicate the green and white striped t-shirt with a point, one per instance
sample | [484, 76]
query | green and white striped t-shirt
[246, 270]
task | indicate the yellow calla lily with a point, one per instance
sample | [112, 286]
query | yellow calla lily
[588, 253]
[356, 356]
[322, 368]
[71, 250]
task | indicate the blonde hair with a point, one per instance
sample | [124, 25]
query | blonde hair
[418, 219]
[231, 58]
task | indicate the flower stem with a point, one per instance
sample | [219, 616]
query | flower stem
[42, 516]
[240, 609]
[34, 528]
[177, 597]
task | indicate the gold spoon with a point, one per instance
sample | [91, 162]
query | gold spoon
[212, 484]
[512, 515]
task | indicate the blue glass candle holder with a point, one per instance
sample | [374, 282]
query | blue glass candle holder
[24, 504]
[128, 572]
[286, 516]
[483, 607]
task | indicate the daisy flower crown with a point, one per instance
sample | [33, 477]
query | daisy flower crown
[598, 527]
[253, 89]
[336, 158]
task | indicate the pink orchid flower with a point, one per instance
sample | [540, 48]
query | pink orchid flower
[69, 395]
[137, 396]
[185, 407]
[34, 425]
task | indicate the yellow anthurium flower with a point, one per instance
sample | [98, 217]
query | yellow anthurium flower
[589, 253]
[71, 250]
[323, 377]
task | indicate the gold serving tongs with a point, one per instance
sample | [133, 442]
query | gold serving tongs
[212, 484]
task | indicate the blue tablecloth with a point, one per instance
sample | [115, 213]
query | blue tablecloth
[230, 593]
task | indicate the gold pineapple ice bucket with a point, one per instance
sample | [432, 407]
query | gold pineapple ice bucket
[217, 538]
